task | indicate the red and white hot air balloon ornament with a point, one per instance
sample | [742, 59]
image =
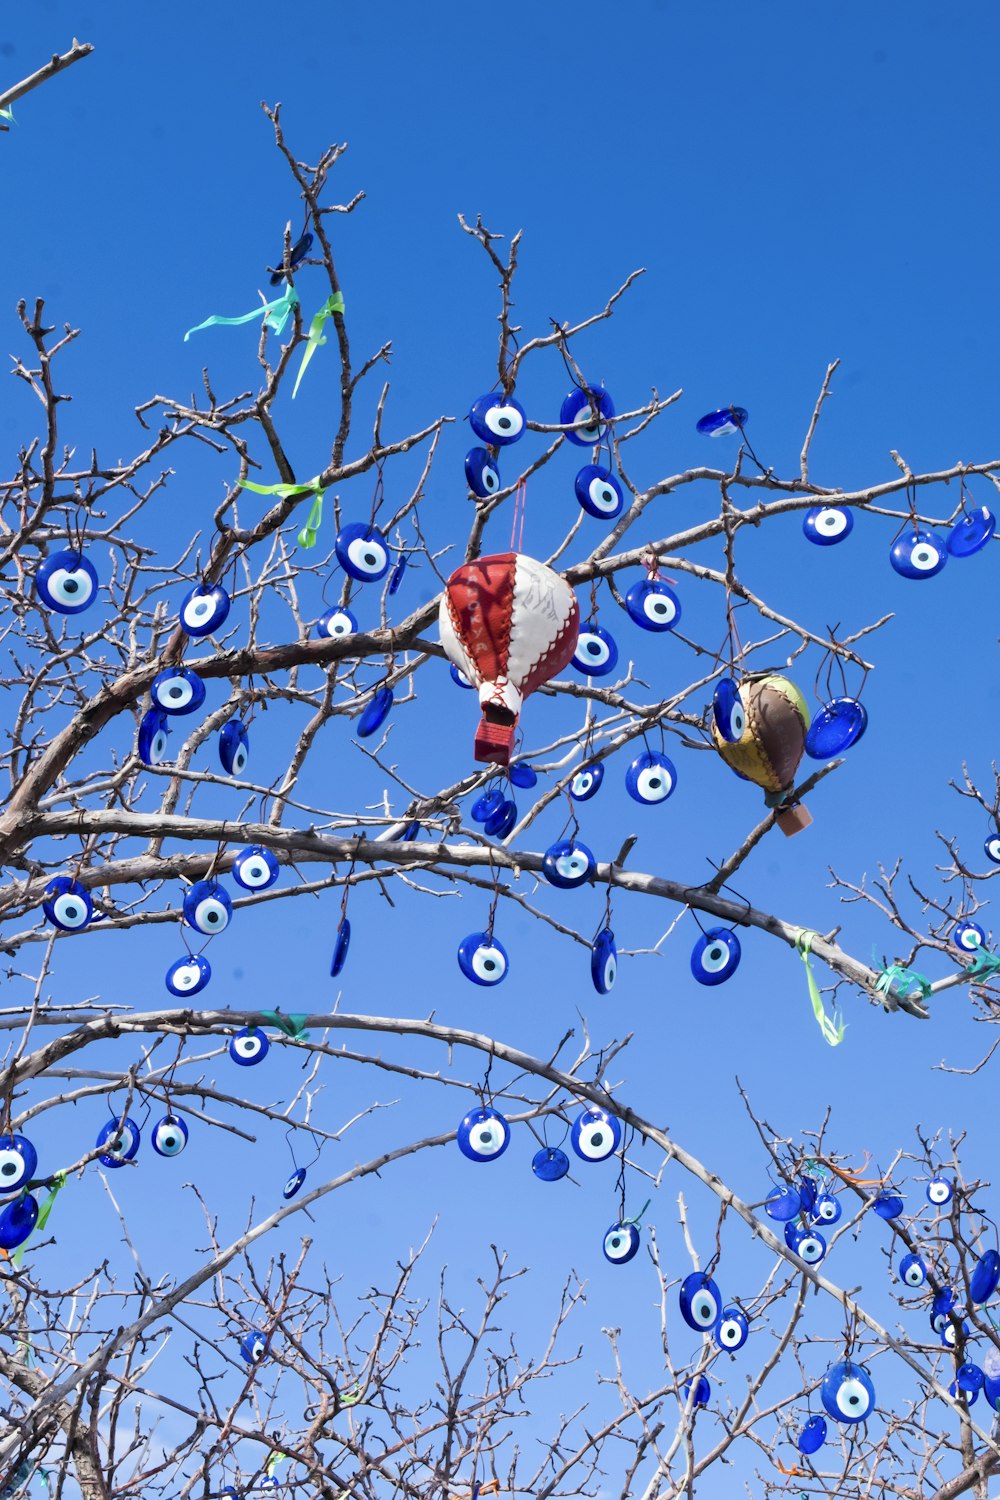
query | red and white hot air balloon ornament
[509, 623]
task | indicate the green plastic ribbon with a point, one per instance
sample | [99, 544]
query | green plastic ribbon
[273, 1462]
[833, 1031]
[316, 337]
[8, 114]
[897, 982]
[983, 964]
[275, 314]
[307, 536]
[58, 1183]
[293, 1026]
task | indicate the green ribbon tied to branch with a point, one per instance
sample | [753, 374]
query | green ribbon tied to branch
[8, 114]
[983, 964]
[273, 1462]
[308, 534]
[275, 314]
[896, 982]
[58, 1183]
[334, 304]
[833, 1031]
[292, 1025]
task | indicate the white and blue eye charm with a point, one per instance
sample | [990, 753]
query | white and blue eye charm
[718, 423]
[732, 1330]
[341, 946]
[483, 1135]
[653, 604]
[253, 1346]
[716, 955]
[375, 712]
[596, 1134]
[497, 420]
[968, 936]
[19, 1163]
[847, 1392]
[650, 778]
[170, 1136]
[120, 1140]
[207, 907]
[826, 525]
[481, 472]
[587, 782]
[362, 551]
[550, 1164]
[482, 958]
[335, 624]
[398, 574]
[249, 1046]
[188, 975]
[728, 711]
[234, 747]
[66, 582]
[67, 904]
[583, 400]
[599, 492]
[459, 678]
[913, 1270]
[204, 609]
[621, 1243]
[151, 745]
[177, 690]
[940, 1191]
[700, 1302]
[604, 961]
[808, 1244]
[918, 553]
[567, 864]
[294, 1182]
[827, 1209]
[596, 653]
[255, 868]
[991, 848]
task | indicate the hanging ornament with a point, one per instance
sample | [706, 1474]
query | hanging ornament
[375, 712]
[772, 743]
[510, 624]
[568, 863]
[188, 975]
[335, 624]
[17, 1221]
[583, 401]
[255, 868]
[550, 1164]
[837, 726]
[483, 959]
[234, 747]
[19, 1163]
[700, 1301]
[483, 1135]
[732, 1330]
[340, 947]
[177, 690]
[650, 779]
[296, 256]
[604, 961]
[716, 956]
[497, 420]
[847, 1392]
[169, 1136]
[204, 609]
[207, 907]
[718, 423]
[587, 783]
[481, 472]
[120, 1140]
[67, 904]
[66, 582]
[972, 532]
[362, 551]
[913, 1270]
[151, 745]
[599, 492]
[621, 1243]
[595, 653]
[826, 525]
[918, 553]
[813, 1435]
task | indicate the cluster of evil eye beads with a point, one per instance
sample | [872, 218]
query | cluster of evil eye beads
[207, 909]
[118, 1143]
[66, 582]
[484, 1136]
[916, 552]
[498, 421]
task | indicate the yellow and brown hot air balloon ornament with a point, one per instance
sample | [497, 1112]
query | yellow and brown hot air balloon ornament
[759, 728]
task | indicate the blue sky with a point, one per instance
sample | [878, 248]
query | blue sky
[800, 183]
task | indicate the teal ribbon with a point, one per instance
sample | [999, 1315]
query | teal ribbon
[334, 304]
[832, 1031]
[275, 314]
[292, 1025]
[897, 982]
[983, 964]
[307, 536]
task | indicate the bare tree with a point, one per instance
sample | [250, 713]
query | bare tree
[274, 1375]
